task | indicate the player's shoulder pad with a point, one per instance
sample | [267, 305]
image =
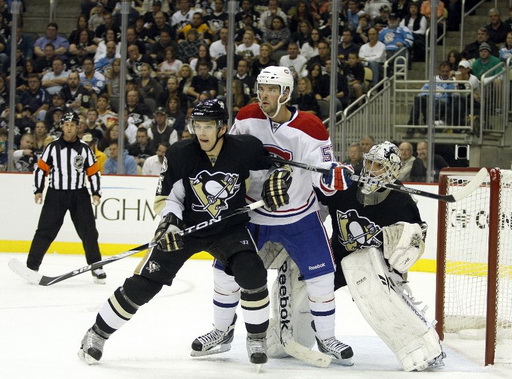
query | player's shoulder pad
[310, 125]
[250, 111]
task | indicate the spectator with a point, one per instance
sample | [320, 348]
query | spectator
[35, 99]
[93, 124]
[508, 21]
[373, 8]
[318, 8]
[203, 54]
[175, 116]
[60, 43]
[246, 10]
[417, 23]
[324, 93]
[154, 31]
[135, 61]
[303, 34]
[266, 18]
[298, 14]
[354, 72]
[105, 114]
[407, 158]
[366, 143]
[219, 47]
[170, 65]
[53, 80]
[129, 164]
[54, 124]
[305, 98]
[198, 24]
[315, 76]
[373, 54]
[361, 33]
[278, 35]
[189, 48]
[185, 75]
[95, 16]
[347, 46]
[40, 138]
[355, 157]
[77, 97]
[310, 48]
[142, 148]
[294, 61]
[162, 128]
[382, 20]
[172, 89]
[471, 51]
[113, 78]
[44, 64]
[264, 59]
[57, 102]
[217, 19]
[111, 135]
[506, 50]
[426, 11]
[25, 43]
[133, 39]
[442, 98]
[462, 102]
[151, 8]
[401, 8]
[147, 84]
[420, 164]
[496, 29]
[101, 157]
[324, 54]
[182, 16]
[240, 98]
[248, 81]
[108, 23]
[110, 48]
[249, 49]
[395, 36]
[485, 62]
[248, 26]
[157, 50]
[92, 80]
[153, 165]
[24, 158]
[79, 51]
[203, 82]
[137, 109]
[454, 57]
[4, 58]
[352, 15]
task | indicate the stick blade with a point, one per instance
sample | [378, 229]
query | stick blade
[298, 351]
[33, 277]
[469, 188]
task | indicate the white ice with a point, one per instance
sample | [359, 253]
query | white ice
[41, 329]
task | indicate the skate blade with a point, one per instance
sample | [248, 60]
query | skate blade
[344, 361]
[86, 358]
[258, 367]
[216, 350]
[99, 281]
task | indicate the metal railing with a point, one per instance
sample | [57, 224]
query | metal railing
[440, 38]
[467, 13]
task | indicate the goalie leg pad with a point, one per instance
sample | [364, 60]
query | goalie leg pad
[389, 311]
[273, 255]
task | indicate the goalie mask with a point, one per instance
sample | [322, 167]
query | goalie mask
[279, 76]
[382, 163]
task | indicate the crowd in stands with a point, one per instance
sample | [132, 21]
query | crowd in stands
[176, 56]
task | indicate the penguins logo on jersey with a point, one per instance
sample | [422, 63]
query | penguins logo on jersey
[356, 232]
[213, 191]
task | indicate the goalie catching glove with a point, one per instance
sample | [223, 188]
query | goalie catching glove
[339, 177]
[167, 235]
[403, 244]
[275, 188]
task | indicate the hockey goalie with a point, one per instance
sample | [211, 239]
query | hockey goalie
[377, 236]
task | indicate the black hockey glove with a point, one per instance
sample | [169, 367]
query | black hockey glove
[275, 188]
[167, 235]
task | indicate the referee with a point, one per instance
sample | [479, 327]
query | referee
[67, 161]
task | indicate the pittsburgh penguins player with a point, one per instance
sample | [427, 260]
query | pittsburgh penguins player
[201, 179]
[377, 236]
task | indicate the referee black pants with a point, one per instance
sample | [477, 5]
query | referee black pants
[56, 204]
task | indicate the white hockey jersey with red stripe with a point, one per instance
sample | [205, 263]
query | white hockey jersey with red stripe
[303, 139]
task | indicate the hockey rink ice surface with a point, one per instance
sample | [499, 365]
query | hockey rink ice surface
[41, 329]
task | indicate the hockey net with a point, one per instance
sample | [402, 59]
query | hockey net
[474, 262]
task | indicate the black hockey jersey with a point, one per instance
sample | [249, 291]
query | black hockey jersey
[197, 191]
[356, 226]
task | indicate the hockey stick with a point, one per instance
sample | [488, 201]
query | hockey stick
[35, 277]
[465, 191]
[290, 346]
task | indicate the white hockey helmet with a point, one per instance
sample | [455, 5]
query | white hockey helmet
[280, 76]
[383, 163]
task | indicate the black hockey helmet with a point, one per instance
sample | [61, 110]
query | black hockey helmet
[208, 110]
[69, 116]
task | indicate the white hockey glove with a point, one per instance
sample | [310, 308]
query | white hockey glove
[275, 188]
[403, 244]
[339, 177]
[167, 234]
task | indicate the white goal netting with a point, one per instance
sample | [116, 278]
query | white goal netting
[478, 229]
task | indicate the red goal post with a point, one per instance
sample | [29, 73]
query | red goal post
[474, 261]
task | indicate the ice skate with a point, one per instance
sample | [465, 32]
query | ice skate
[257, 349]
[99, 276]
[214, 342]
[341, 353]
[437, 362]
[91, 349]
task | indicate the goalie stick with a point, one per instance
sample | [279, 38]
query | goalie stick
[290, 346]
[35, 277]
[465, 191]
